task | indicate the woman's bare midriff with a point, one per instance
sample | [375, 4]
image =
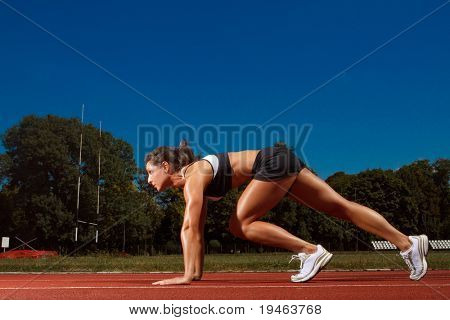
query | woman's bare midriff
[242, 163]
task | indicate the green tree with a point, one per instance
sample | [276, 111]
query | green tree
[425, 195]
[40, 174]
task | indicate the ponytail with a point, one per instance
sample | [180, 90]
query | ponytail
[178, 157]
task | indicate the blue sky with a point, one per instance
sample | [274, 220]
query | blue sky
[236, 62]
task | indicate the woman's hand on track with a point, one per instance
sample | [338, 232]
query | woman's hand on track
[178, 280]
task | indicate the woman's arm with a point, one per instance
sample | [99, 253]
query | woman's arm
[192, 236]
[199, 262]
[191, 231]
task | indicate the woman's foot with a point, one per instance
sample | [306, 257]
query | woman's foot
[415, 256]
[310, 264]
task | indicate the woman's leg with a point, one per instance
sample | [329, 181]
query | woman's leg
[258, 198]
[312, 191]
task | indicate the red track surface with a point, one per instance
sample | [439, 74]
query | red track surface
[273, 286]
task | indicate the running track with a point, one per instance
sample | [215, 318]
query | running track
[273, 286]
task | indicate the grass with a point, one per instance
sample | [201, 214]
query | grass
[214, 262]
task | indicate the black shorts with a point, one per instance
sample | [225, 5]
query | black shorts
[274, 163]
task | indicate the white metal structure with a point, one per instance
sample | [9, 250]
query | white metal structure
[78, 221]
[435, 244]
[5, 243]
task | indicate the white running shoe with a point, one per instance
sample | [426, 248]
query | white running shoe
[310, 264]
[415, 256]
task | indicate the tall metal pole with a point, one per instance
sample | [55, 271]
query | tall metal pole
[79, 172]
[98, 183]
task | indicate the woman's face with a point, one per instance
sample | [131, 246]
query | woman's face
[158, 176]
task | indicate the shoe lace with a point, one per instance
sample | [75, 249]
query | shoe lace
[407, 258]
[301, 256]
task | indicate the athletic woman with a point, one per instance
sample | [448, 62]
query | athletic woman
[272, 173]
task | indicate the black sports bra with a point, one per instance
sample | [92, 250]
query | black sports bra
[223, 172]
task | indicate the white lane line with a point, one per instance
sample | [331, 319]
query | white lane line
[226, 287]
[152, 277]
[158, 278]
